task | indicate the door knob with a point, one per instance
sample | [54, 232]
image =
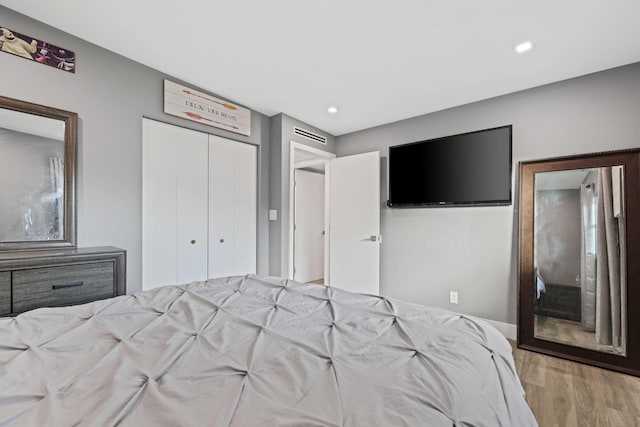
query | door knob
[221, 240]
[193, 242]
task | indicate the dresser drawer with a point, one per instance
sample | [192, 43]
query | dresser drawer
[5, 292]
[62, 285]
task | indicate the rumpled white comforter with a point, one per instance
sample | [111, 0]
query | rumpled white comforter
[250, 351]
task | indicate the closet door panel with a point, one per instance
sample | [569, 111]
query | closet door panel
[174, 207]
[159, 217]
[192, 208]
[245, 220]
[221, 206]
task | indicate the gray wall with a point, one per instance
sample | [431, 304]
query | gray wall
[427, 252]
[558, 236]
[281, 137]
[27, 208]
[111, 94]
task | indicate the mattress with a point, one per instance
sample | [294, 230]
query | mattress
[255, 351]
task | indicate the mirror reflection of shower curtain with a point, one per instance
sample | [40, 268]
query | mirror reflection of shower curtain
[588, 206]
[611, 269]
[56, 168]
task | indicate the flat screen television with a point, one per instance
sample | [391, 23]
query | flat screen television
[470, 169]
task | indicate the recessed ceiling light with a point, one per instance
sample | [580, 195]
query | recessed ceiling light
[332, 110]
[524, 46]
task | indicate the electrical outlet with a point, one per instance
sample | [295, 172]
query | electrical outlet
[453, 297]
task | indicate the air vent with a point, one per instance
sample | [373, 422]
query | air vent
[310, 135]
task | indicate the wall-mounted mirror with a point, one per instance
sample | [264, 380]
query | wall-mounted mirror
[579, 265]
[37, 176]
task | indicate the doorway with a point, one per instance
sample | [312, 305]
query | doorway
[309, 214]
[308, 228]
[351, 217]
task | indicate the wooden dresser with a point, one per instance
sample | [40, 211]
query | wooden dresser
[50, 278]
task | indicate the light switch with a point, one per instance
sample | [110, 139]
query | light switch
[273, 215]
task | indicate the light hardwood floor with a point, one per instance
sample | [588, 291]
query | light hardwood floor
[568, 332]
[566, 394]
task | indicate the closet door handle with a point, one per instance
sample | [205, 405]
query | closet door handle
[221, 240]
[193, 242]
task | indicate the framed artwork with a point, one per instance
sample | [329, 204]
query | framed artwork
[36, 50]
[203, 108]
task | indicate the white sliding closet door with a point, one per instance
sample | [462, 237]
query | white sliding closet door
[221, 190]
[174, 207]
[245, 212]
[232, 207]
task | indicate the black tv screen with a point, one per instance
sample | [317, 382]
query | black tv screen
[460, 170]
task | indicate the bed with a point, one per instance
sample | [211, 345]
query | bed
[255, 351]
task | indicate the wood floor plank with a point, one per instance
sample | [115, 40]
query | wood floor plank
[615, 392]
[534, 369]
[559, 400]
[587, 391]
[621, 418]
[632, 386]
[535, 396]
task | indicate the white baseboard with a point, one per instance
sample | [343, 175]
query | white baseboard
[509, 330]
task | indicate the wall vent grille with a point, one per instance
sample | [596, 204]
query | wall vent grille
[310, 135]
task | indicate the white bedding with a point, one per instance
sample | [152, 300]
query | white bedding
[250, 351]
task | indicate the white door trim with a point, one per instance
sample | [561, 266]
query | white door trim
[320, 155]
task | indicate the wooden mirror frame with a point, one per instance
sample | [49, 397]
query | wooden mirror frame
[630, 363]
[70, 120]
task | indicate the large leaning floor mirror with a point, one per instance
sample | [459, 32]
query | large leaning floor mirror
[579, 258]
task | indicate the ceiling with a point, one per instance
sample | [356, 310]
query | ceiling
[561, 180]
[378, 62]
[30, 124]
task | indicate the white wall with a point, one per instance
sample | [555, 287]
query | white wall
[111, 94]
[426, 253]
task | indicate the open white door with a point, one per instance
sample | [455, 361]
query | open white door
[354, 235]
[309, 226]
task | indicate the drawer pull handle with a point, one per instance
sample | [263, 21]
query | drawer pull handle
[67, 285]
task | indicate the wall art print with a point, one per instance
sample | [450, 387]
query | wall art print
[36, 50]
[200, 107]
